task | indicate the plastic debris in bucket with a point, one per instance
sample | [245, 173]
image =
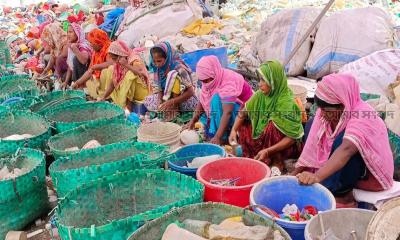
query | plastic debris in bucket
[274, 193]
[356, 223]
[244, 172]
[211, 212]
[188, 153]
[191, 58]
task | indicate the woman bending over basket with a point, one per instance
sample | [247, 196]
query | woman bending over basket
[223, 93]
[173, 86]
[347, 145]
[270, 125]
[127, 78]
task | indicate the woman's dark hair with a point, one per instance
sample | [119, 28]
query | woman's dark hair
[322, 104]
[158, 50]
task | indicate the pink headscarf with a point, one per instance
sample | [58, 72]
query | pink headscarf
[120, 48]
[228, 84]
[362, 126]
[83, 44]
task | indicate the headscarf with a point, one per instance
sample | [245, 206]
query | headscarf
[99, 37]
[55, 37]
[173, 62]
[120, 48]
[278, 106]
[227, 83]
[83, 44]
[362, 126]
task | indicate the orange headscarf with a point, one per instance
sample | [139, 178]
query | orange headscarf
[99, 37]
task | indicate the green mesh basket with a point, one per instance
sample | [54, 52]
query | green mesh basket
[114, 207]
[211, 212]
[105, 132]
[18, 88]
[75, 115]
[23, 199]
[87, 165]
[23, 104]
[20, 122]
[56, 99]
[15, 77]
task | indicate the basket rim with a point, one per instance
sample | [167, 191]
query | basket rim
[84, 128]
[110, 147]
[69, 197]
[27, 113]
[119, 111]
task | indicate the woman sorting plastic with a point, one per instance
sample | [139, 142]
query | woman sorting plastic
[79, 53]
[223, 93]
[269, 128]
[127, 79]
[94, 78]
[55, 39]
[347, 146]
[173, 87]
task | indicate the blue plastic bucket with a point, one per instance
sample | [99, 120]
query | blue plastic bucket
[191, 58]
[274, 193]
[188, 152]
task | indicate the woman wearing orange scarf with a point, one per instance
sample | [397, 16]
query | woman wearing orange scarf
[93, 79]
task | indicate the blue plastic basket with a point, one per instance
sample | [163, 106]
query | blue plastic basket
[274, 193]
[191, 58]
[187, 153]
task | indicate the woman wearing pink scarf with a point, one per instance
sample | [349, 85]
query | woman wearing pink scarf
[222, 94]
[79, 53]
[347, 145]
[127, 79]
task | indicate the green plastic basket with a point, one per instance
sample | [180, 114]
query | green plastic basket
[52, 100]
[23, 104]
[114, 207]
[67, 118]
[18, 88]
[23, 199]
[105, 132]
[88, 165]
[20, 122]
[211, 212]
[15, 77]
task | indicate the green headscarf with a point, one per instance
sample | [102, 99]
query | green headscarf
[279, 106]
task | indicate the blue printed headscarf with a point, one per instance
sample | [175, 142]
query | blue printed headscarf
[173, 62]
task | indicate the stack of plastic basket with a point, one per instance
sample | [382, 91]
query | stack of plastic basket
[166, 133]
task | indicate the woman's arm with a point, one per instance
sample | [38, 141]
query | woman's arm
[50, 65]
[85, 77]
[196, 116]
[337, 161]
[226, 115]
[108, 92]
[188, 93]
[241, 117]
[283, 144]
[101, 66]
[39, 52]
[134, 69]
[82, 56]
[68, 78]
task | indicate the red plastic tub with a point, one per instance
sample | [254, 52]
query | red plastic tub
[250, 172]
